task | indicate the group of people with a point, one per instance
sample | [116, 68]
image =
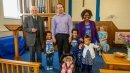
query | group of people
[63, 35]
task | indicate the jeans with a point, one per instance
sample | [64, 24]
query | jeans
[78, 56]
[49, 59]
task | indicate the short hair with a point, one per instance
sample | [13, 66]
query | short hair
[87, 36]
[47, 32]
[33, 7]
[74, 30]
[102, 26]
[60, 4]
[84, 11]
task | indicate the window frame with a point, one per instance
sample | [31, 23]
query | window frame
[18, 16]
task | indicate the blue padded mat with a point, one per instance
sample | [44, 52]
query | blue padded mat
[7, 46]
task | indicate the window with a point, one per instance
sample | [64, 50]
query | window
[11, 9]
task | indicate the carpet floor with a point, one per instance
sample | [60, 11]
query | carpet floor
[99, 63]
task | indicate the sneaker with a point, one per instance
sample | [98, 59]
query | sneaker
[51, 68]
[48, 68]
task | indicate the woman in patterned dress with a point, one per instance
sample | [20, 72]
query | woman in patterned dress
[103, 41]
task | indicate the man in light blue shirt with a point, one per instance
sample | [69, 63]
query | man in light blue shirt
[61, 30]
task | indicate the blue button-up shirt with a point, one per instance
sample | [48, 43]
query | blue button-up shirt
[61, 24]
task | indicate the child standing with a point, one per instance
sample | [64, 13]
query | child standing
[49, 50]
[75, 49]
[88, 54]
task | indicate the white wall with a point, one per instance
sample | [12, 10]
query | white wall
[66, 6]
[120, 9]
[6, 21]
[77, 8]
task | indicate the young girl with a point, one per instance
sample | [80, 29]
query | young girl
[88, 54]
[75, 49]
[49, 50]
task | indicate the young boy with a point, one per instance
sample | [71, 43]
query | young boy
[49, 50]
[75, 49]
[88, 54]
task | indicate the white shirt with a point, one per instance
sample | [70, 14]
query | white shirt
[35, 17]
[90, 48]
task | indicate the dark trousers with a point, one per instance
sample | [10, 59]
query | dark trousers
[62, 42]
[49, 59]
[37, 47]
[78, 56]
[87, 68]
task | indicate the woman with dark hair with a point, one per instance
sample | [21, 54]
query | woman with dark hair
[87, 27]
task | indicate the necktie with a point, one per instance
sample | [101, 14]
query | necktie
[35, 17]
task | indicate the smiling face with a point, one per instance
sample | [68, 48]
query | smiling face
[34, 11]
[86, 16]
[60, 9]
[101, 28]
[75, 34]
[87, 41]
[48, 36]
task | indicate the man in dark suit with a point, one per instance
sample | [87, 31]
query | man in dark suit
[34, 26]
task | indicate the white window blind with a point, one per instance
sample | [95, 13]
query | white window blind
[11, 9]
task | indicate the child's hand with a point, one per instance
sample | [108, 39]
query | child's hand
[99, 44]
[54, 40]
[81, 39]
[82, 45]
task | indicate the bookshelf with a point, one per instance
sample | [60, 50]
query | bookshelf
[47, 9]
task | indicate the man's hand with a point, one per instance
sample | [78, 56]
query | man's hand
[54, 40]
[34, 29]
[43, 45]
[70, 39]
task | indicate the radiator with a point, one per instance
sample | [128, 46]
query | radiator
[117, 36]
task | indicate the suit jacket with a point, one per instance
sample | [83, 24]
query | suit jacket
[82, 30]
[27, 27]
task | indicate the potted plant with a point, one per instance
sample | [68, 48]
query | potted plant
[126, 40]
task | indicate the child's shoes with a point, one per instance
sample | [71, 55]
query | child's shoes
[51, 68]
[48, 68]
